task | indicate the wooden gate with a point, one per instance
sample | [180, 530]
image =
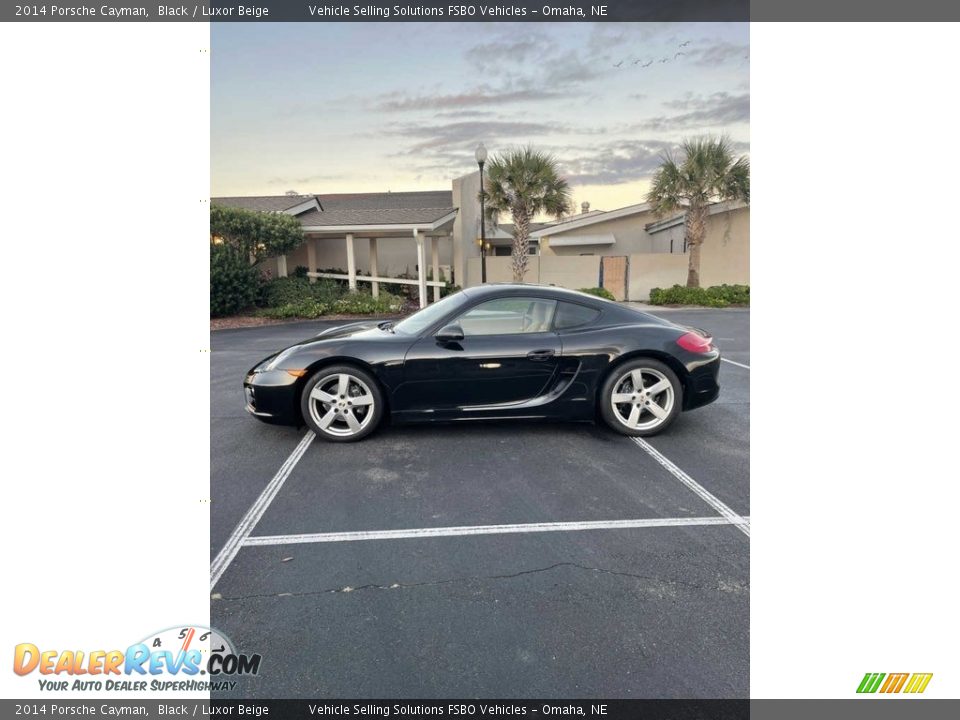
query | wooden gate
[614, 270]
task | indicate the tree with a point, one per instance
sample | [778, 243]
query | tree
[258, 235]
[525, 183]
[707, 174]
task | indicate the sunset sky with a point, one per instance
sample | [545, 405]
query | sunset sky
[354, 107]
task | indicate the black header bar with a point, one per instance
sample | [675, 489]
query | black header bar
[473, 11]
[379, 11]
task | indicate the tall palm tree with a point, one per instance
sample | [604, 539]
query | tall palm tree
[707, 174]
[525, 183]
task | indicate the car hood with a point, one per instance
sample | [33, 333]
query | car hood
[348, 330]
[366, 329]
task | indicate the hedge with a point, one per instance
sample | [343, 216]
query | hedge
[297, 297]
[599, 292]
[233, 281]
[714, 296]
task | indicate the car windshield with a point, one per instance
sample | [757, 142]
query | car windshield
[424, 318]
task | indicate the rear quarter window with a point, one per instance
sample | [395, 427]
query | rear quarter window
[571, 315]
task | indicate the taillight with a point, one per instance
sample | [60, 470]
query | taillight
[695, 342]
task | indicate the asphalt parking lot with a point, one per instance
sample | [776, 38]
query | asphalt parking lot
[655, 607]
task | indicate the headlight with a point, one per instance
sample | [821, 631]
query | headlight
[272, 365]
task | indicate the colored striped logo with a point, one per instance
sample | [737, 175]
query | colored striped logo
[894, 682]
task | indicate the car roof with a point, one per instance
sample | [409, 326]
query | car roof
[508, 289]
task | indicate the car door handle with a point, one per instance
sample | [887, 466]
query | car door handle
[540, 354]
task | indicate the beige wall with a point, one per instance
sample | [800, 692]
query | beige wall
[725, 256]
[569, 272]
[650, 270]
[628, 231]
[466, 226]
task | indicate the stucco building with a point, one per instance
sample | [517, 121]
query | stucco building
[418, 237]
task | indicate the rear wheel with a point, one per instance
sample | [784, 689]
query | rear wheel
[641, 397]
[342, 403]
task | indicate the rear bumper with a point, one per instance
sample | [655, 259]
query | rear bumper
[272, 397]
[703, 386]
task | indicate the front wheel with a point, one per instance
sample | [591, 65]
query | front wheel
[342, 403]
[641, 398]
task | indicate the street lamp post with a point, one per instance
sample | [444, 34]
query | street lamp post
[481, 156]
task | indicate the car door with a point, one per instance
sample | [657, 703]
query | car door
[508, 354]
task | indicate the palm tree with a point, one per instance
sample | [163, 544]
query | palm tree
[525, 183]
[707, 174]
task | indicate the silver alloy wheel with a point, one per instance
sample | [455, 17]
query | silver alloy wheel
[341, 404]
[642, 398]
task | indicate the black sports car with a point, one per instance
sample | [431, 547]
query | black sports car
[489, 353]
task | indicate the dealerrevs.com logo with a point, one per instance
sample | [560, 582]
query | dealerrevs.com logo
[182, 659]
[910, 683]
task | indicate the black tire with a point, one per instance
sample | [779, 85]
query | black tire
[361, 388]
[652, 373]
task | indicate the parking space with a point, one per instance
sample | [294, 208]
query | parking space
[604, 568]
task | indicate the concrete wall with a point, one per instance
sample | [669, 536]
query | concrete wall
[725, 255]
[650, 270]
[570, 272]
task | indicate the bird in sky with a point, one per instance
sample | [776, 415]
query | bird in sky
[648, 63]
[616, 65]
[678, 55]
[684, 43]
[664, 60]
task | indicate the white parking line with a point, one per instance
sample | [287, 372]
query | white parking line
[223, 559]
[740, 522]
[732, 362]
[256, 540]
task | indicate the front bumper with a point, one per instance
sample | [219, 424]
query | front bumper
[273, 396]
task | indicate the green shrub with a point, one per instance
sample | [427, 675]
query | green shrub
[297, 290]
[233, 281]
[357, 303]
[599, 292]
[714, 296]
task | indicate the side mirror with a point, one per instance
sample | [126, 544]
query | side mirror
[450, 333]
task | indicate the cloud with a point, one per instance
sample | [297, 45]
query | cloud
[523, 67]
[620, 162]
[510, 49]
[719, 53]
[483, 95]
[615, 162]
[471, 113]
[466, 133]
[304, 180]
[698, 111]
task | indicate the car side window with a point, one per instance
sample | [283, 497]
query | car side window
[571, 315]
[508, 316]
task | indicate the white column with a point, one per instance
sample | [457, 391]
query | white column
[421, 269]
[351, 263]
[435, 263]
[374, 270]
[312, 256]
[281, 265]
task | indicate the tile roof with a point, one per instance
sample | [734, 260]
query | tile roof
[387, 200]
[263, 203]
[364, 216]
[389, 208]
